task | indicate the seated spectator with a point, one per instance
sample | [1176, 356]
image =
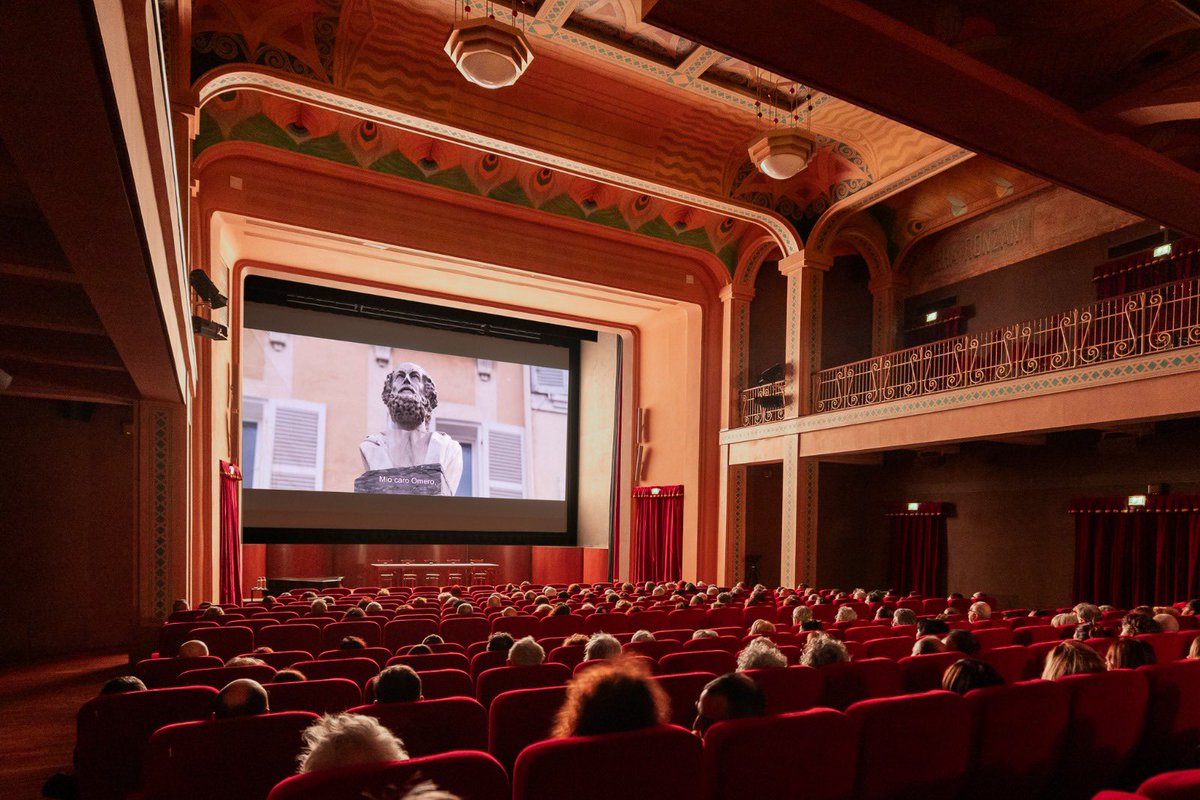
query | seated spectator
[398, 683]
[433, 638]
[845, 614]
[510, 611]
[373, 608]
[696, 601]
[420, 650]
[761, 653]
[263, 650]
[932, 627]
[241, 698]
[820, 650]
[495, 601]
[308, 596]
[179, 605]
[122, 684]
[576, 640]
[1071, 658]
[288, 675]
[731, 696]
[1194, 650]
[1190, 608]
[962, 641]
[904, 616]
[979, 611]
[619, 696]
[560, 610]
[1090, 630]
[642, 636]
[601, 646]
[543, 610]
[499, 642]
[884, 615]
[363, 603]
[1064, 619]
[464, 609]
[1086, 612]
[1129, 653]
[317, 608]
[969, 673]
[704, 633]
[526, 652]
[193, 648]
[245, 661]
[352, 643]
[1167, 623]
[924, 645]
[812, 625]
[342, 740]
[761, 627]
[269, 602]
[801, 615]
[1138, 622]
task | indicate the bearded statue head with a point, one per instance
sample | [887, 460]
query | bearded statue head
[410, 395]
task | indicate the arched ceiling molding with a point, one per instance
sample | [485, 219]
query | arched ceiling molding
[824, 233]
[221, 81]
[753, 257]
[864, 233]
[902, 262]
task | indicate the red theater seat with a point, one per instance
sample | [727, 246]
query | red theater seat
[991, 638]
[568, 655]
[112, 732]
[721, 617]
[848, 682]
[789, 690]
[926, 753]
[518, 627]
[217, 677]
[1012, 662]
[288, 636]
[158, 673]
[693, 618]
[322, 696]
[173, 634]
[488, 659]
[359, 670]
[404, 631]
[1182, 784]
[717, 662]
[893, 647]
[924, 673]
[864, 633]
[424, 663]
[379, 655]
[730, 644]
[504, 679]
[1019, 733]
[608, 623]
[1108, 714]
[1033, 634]
[464, 630]
[223, 759]
[1166, 646]
[654, 650]
[429, 727]
[281, 659]
[648, 620]
[1173, 714]
[227, 642]
[752, 613]
[369, 632]
[562, 625]
[664, 761]
[470, 776]
[521, 717]
[757, 757]
[683, 690]
[440, 683]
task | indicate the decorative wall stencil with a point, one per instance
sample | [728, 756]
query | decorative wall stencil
[159, 458]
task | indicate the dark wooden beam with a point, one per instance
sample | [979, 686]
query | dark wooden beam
[60, 348]
[55, 383]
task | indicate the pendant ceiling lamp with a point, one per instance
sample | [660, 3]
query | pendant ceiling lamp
[783, 150]
[487, 51]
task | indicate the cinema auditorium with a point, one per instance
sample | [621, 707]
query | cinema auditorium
[580, 399]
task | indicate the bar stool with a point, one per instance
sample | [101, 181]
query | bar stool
[455, 577]
[480, 575]
[408, 573]
[433, 578]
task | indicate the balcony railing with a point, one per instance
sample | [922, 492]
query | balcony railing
[763, 403]
[1132, 325]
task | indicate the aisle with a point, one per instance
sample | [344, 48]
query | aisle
[38, 703]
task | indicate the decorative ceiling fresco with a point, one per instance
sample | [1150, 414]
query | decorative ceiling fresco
[604, 89]
[248, 116]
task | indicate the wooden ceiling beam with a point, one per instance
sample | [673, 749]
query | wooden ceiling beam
[52, 382]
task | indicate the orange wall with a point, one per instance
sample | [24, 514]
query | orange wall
[68, 529]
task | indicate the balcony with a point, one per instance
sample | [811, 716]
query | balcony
[763, 403]
[1129, 326]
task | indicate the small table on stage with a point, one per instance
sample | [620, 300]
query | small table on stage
[428, 568]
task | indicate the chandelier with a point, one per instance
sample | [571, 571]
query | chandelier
[488, 51]
[785, 148]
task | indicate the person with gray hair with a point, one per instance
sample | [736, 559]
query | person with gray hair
[642, 636]
[978, 611]
[904, 616]
[1086, 612]
[193, 648]
[704, 633]
[845, 614]
[820, 650]
[761, 653]
[526, 652]
[342, 740]
[318, 606]
[801, 615]
[601, 646]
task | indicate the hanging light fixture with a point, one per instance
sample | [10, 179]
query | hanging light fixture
[487, 51]
[785, 148]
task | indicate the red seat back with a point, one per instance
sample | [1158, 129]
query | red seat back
[717, 662]
[561, 625]
[404, 631]
[789, 690]
[368, 631]
[112, 732]
[292, 636]
[217, 677]
[1012, 662]
[488, 659]
[924, 673]
[158, 673]
[173, 634]
[991, 638]
[518, 626]
[752, 613]
[504, 679]
[1011, 756]
[693, 618]
[226, 642]
[281, 659]
[521, 717]
[429, 727]
[567, 655]
[683, 690]
[440, 683]
[221, 759]
[848, 682]
[465, 630]
[1181, 784]
[756, 757]
[906, 767]
[1166, 646]
[379, 655]
[1173, 714]
[731, 616]
[1108, 714]
[655, 649]
[1033, 634]
[893, 647]
[321, 696]
[471, 776]
[608, 623]
[648, 620]
[730, 644]
[359, 670]
[663, 761]
[424, 663]
[863, 633]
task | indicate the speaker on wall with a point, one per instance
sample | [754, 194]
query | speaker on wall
[5, 381]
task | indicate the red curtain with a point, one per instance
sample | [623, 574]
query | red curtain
[1142, 271]
[1129, 555]
[657, 533]
[231, 535]
[918, 549]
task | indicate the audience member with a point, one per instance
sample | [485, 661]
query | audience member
[576, 640]
[122, 684]
[642, 636]
[433, 638]
[812, 625]
[241, 698]
[1129, 653]
[420, 650]
[1071, 658]
[245, 661]
[762, 627]
[1190, 608]
[342, 740]
[979, 611]
[352, 643]
[731, 696]
[179, 605]
[317, 607]
[820, 650]
[289, 675]
[845, 614]
[1064, 619]
[499, 642]
[464, 609]
[193, 648]
[398, 683]
[1086, 612]
[801, 615]
[925, 645]
[1194, 650]
[1139, 622]
[213, 613]
[962, 641]
[1167, 623]
[704, 633]
[928, 626]
[969, 673]
[525, 652]
[601, 646]
[618, 696]
[904, 616]
[353, 614]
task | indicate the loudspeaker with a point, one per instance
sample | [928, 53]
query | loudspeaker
[208, 291]
[210, 329]
[5, 381]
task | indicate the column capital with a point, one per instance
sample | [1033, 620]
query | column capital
[891, 280]
[731, 291]
[796, 262]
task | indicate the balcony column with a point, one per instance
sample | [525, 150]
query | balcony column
[887, 292]
[805, 286]
[731, 524]
[734, 364]
[798, 538]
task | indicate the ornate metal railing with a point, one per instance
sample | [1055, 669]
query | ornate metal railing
[763, 403]
[1150, 321]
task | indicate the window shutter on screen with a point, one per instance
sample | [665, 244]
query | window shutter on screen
[297, 442]
[505, 461]
[551, 382]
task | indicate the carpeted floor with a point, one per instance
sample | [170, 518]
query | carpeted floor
[38, 703]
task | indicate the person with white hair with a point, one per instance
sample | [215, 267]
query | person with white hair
[342, 740]
[1167, 622]
[1086, 612]
[761, 653]
[1064, 619]
[642, 636]
[845, 614]
[318, 606]
[820, 650]
[904, 616]
[193, 648]
[526, 653]
[801, 615]
[601, 646]
[978, 611]
[704, 633]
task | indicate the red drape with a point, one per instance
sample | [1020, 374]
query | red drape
[231, 535]
[918, 549]
[1142, 271]
[657, 533]
[1128, 556]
